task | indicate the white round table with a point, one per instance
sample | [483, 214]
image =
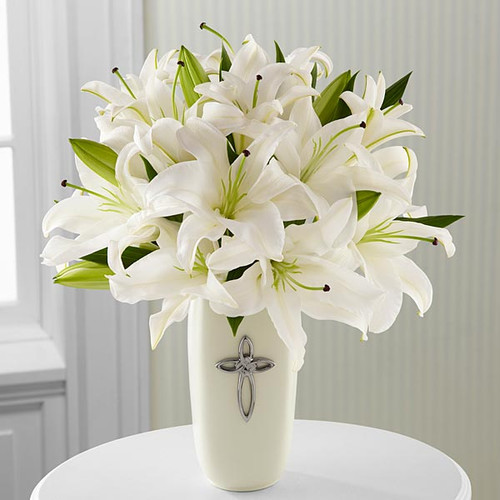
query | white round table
[328, 461]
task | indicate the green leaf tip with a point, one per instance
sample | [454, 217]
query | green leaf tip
[433, 220]
[280, 58]
[343, 110]
[225, 62]
[366, 201]
[191, 74]
[314, 75]
[100, 158]
[237, 273]
[234, 323]
[150, 171]
[395, 92]
[327, 102]
[129, 256]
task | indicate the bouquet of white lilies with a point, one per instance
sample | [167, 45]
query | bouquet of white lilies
[231, 178]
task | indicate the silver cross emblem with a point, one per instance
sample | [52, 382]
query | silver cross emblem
[245, 365]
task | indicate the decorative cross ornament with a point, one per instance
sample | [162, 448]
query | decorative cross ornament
[245, 365]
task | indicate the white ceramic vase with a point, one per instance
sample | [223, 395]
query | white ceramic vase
[243, 442]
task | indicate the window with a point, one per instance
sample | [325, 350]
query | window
[20, 297]
[8, 278]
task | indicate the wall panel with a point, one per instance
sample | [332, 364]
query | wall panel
[435, 379]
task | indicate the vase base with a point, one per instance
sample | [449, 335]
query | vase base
[245, 489]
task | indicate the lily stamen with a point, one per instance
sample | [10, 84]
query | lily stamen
[380, 234]
[65, 183]
[320, 153]
[283, 271]
[205, 26]
[231, 195]
[200, 265]
[111, 204]
[258, 79]
[180, 64]
[116, 72]
[324, 288]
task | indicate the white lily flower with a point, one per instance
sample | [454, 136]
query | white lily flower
[256, 205]
[159, 275]
[254, 92]
[97, 218]
[144, 99]
[224, 197]
[381, 244]
[303, 59]
[381, 126]
[322, 158]
[159, 144]
[100, 212]
[307, 279]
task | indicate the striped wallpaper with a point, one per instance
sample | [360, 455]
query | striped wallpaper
[438, 378]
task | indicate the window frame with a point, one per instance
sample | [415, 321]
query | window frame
[95, 348]
[24, 313]
[31, 333]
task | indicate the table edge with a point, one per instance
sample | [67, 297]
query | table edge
[465, 492]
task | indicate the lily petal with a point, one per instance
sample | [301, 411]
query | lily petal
[246, 291]
[205, 143]
[384, 275]
[414, 282]
[271, 182]
[232, 254]
[173, 310]
[193, 229]
[60, 250]
[319, 237]
[260, 226]
[249, 60]
[284, 309]
[75, 214]
[226, 117]
[108, 93]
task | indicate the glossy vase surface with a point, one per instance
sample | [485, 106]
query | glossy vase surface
[242, 398]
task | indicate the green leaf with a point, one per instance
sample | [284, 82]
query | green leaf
[150, 171]
[175, 218]
[225, 62]
[314, 75]
[234, 323]
[129, 256]
[395, 92]
[99, 257]
[297, 222]
[280, 58]
[98, 157]
[326, 104]
[234, 274]
[231, 149]
[433, 220]
[365, 201]
[84, 275]
[190, 75]
[342, 108]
